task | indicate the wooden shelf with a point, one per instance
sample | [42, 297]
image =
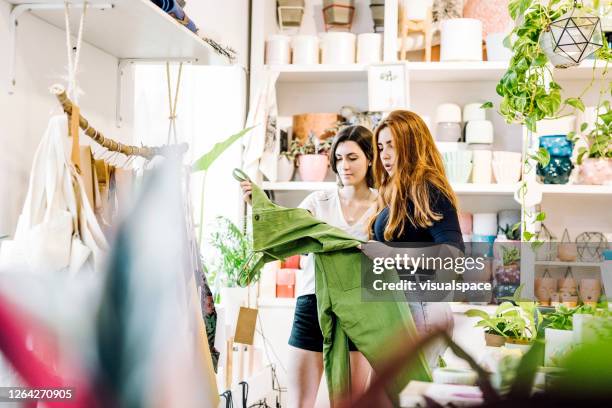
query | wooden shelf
[132, 29]
[463, 189]
[425, 72]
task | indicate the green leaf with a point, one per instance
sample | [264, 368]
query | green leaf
[477, 313]
[204, 162]
[541, 216]
[527, 235]
[581, 152]
[530, 122]
[540, 60]
[508, 41]
[576, 103]
[584, 126]
[543, 157]
[606, 117]
[486, 105]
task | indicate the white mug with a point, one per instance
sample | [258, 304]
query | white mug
[482, 171]
[278, 50]
[305, 49]
[337, 48]
[369, 48]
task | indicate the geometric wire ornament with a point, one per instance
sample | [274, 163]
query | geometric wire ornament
[573, 37]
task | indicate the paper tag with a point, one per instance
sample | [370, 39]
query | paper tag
[245, 327]
[74, 133]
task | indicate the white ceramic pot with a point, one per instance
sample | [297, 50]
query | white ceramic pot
[482, 172]
[557, 343]
[337, 48]
[305, 50]
[369, 48]
[479, 131]
[473, 111]
[278, 50]
[448, 132]
[507, 167]
[458, 165]
[448, 112]
[484, 224]
[444, 147]
[285, 169]
[461, 40]
[495, 48]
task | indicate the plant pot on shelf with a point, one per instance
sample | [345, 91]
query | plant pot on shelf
[290, 12]
[568, 300]
[285, 169]
[544, 288]
[494, 340]
[567, 284]
[596, 171]
[338, 13]
[313, 167]
[567, 251]
[519, 344]
[589, 291]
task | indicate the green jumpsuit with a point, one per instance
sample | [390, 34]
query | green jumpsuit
[376, 328]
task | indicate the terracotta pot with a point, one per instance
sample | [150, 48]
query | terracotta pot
[569, 301]
[285, 169]
[293, 262]
[313, 167]
[555, 299]
[567, 251]
[494, 340]
[567, 286]
[544, 289]
[317, 123]
[590, 290]
[596, 171]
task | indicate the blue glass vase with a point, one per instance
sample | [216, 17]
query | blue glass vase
[557, 171]
[557, 145]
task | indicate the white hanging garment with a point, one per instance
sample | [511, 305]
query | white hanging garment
[57, 229]
[262, 146]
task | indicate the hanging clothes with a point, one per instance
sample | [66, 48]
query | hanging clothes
[57, 229]
[262, 147]
[373, 327]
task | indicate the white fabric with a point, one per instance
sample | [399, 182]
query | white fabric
[326, 206]
[47, 238]
[262, 145]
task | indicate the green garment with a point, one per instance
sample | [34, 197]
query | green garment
[375, 327]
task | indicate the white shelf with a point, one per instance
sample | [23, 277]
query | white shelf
[321, 73]
[576, 190]
[569, 264]
[132, 29]
[425, 72]
[463, 189]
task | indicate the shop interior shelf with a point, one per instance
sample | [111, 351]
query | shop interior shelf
[463, 188]
[568, 264]
[131, 29]
[425, 72]
[576, 189]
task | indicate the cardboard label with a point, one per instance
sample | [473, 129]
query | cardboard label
[245, 327]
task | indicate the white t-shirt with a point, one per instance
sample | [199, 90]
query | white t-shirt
[325, 206]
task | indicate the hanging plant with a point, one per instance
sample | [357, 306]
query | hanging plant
[528, 89]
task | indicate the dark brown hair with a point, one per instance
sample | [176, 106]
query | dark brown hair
[363, 137]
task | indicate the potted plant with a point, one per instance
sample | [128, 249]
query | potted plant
[312, 158]
[338, 12]
[494, 325]
[558, 333]
[509, 272]
[597, 167]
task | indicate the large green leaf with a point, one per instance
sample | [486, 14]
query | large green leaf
[204, 162]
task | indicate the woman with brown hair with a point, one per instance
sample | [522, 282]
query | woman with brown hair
[416, 203]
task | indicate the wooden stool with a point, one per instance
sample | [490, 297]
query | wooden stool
[416, 26]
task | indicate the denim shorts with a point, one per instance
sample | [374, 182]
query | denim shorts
[306, 332]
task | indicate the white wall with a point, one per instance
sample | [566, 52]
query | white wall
[41, 62]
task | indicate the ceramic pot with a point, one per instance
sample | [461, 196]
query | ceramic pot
[557, 171]
[557, 343]
[567, 251]
[473, 111]
[506, 167]
[338, 12]
[485, 223]
[291, 17]
[338, 48]
[557, 145]
[461, 40]
[523, 345]
[567, 286]
[305, 50]
[569, 301]
[544, 289]
[590, 290]
[458, 165]
[555, 299]
[369, 48]
[560, 126]
[479, 131]
[494, 340]
[313, 167]
[492, 13]
[278, 50]
[448, 112]
[448, 132]
[285, 169]
[377, 8]
[596, 171]
[465, 222]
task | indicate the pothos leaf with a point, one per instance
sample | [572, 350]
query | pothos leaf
[487, 105]
[576, 103]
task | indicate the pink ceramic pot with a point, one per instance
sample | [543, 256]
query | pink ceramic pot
[465, 222]
[313, 167]
[596, 171]
[493, 14]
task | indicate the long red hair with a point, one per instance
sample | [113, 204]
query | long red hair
[418, 167]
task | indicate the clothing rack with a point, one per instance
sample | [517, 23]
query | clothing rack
[112, 145]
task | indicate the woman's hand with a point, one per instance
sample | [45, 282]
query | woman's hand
[247, 188]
